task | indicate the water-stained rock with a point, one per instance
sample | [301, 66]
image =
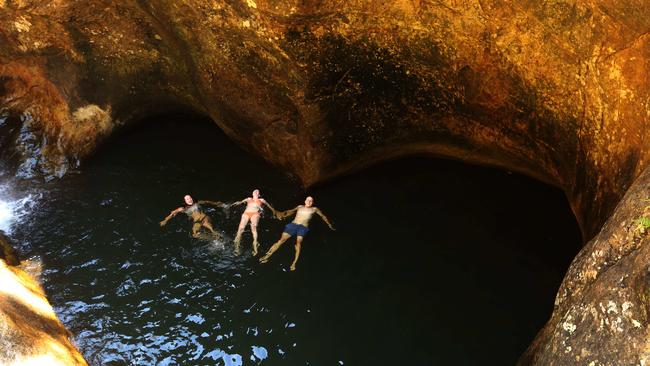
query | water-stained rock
[7, 251]
[602, 310]
[557, 90]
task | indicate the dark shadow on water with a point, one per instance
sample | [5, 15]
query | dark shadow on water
[433, 262]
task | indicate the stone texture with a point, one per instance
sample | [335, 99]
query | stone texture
[556, 89]
[30, 333]
[602, 310]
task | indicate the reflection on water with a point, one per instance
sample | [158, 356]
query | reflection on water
[432, 262]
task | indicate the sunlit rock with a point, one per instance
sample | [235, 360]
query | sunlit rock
[30, 333]
[556, 90]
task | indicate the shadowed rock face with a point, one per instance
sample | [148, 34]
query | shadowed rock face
[558, 90]
[602, 310]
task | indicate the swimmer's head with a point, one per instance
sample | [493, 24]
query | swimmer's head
[309, 201]
[256, 193]
[188, 200]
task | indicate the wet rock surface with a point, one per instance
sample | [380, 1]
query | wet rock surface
[555, 89]
[30, 332]
[602, 309]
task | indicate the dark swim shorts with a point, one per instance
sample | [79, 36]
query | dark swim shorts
[296, 229]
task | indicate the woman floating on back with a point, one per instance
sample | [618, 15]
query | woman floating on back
[251, 213]
[196, 215]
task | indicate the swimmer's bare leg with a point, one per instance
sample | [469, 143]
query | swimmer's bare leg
[208, 225]
[240, 230]
[254, 220]
[295, 260]
[196, 227]
[274, 247]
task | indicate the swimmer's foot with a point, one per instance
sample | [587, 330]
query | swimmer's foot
[255, 246]
[293, 267]
[237, 248]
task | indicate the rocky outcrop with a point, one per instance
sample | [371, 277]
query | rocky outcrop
[602, 310]
[30, 333]
[558, 90]
[7, 252]
[555, 89]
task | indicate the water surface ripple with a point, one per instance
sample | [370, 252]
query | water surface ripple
[432, 263]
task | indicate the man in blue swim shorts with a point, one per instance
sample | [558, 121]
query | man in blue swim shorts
[298, 228]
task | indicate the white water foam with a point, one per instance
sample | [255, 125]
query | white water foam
[14, 209]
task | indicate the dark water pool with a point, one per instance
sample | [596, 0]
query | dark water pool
[433, 262]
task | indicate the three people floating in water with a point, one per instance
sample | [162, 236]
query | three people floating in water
[254, 207]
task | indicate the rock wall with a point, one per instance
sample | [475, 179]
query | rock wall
[556, 89]
[602, 310]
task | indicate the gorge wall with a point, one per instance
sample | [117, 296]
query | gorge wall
[558, 90]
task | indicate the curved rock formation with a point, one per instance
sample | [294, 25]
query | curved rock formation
[602, 310]
[30, 333]
[559, 90]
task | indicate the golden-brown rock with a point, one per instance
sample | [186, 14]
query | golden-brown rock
[558, 90]
[555, 89]
[30, 333]
[602, 310]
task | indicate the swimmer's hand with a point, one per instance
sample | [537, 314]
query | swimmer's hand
[332, 228]
[163, 222]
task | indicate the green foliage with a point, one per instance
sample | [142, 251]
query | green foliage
[643, 223]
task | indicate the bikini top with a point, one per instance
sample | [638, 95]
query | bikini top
[255, 203]
[189, 210]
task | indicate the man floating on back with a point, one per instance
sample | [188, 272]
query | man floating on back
[298, 228]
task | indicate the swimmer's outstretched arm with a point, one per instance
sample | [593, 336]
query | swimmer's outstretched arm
[275, 213]
[327, 221]
[171, 214]
[281, 215]
[238, 202]
[213, 203]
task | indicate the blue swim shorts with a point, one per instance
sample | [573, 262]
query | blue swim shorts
[296, 229]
